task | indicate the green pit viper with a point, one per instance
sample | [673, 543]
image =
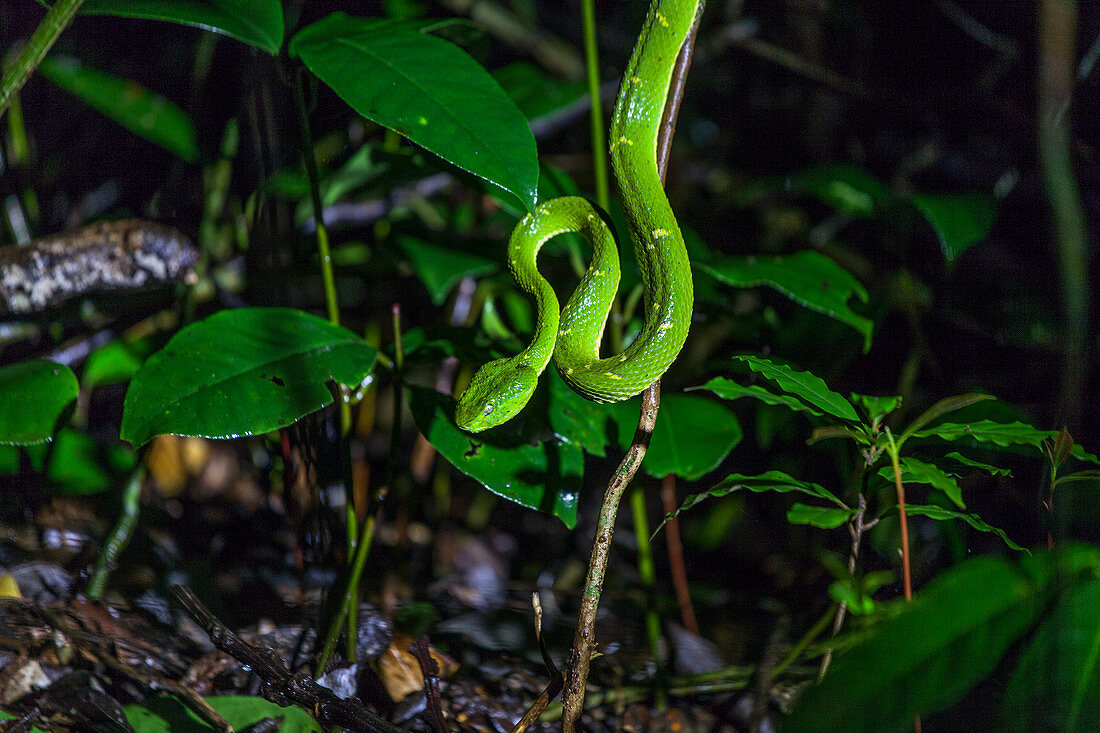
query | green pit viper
[501, 388]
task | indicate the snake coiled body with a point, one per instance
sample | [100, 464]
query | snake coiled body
[500, 389]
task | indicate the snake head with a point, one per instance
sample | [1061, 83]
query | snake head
[498, 391]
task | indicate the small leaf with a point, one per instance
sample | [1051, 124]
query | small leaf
[876, 407]
[428, 90]
[256, 22]
[825, 517]
[728, 389]
[971, 463]
[987, 431]
[804, 385]
[33, 396]
[115, 362]
[960, 220]
[914, 471]
[166, 714]
[809, 278]
[242, 372]
[544, 476]
[929, 653]
[131, 105]
[1056, 685]
[81, 465]
[441, 268]
[941, 514]
[944, 407]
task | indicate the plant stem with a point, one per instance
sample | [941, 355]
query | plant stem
[907, 581]
[649, 583]
[856, 528]
[1057, 33]
[40, 42]
[584, 643]
[599, 142]
[676, 555]
[120, 535]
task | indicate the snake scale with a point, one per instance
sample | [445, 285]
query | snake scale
[501, 388]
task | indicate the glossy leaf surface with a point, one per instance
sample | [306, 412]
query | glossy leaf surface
[33, 396]
[256, 22]
[728, 389]
[428, 90]
[804, 385]
[131, 105]
[242, 372]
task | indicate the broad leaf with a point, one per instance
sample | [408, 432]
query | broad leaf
[242, 372]
[944, 407]
[978, 465]
[33, 396]
[116, 361]
[544, 476]
[728, 389]
[577, 420]
[825, 517]
[168, 715]
[1056, 685]
[256, 22]
[537, 94]
[427, 89]
[809, 278]
[131, 105]
[960, 220]
[691, 437]
[876, 407]
[804, 385]
[987, 431]
[441, 268]
[915, 471]
[928, 654]
[941, 514]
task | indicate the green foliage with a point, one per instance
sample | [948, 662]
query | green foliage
[33, 396]
[428, 90]
[167, 714]
[256, 22]
[242, 372]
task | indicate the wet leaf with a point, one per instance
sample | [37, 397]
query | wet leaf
[242, 372]
[33, 397]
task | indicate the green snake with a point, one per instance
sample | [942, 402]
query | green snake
[501, 388]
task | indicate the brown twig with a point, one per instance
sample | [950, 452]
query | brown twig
[584, 643]
[856, 528]
[676, 556]
[281, 686]
[430, 669]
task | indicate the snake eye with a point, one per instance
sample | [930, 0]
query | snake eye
[488, 409]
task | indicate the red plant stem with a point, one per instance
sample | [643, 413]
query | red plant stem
[906, 575]
[676, 556]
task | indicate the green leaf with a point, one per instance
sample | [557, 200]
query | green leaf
[536, 93]
[826, 517]
[544, 476]
[242, 372]
[971, 463]
[728, 389]
[33, 397]
[915, 471]
[117, 361]
[691, 437]
[941, 514]
[165, 714]
[427, 89]
[575, 419]
[768, 481]
[842, 187]
[960, 220]
[987, 431]
[256, 22]
[928, 654]
[441, 268]
[944, 407]
[131, 105]
[1056, 685]
[79, 464]
[804, 385]
[876, 407]
[809, 278]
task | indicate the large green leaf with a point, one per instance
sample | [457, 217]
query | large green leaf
[241, 372]
[131, 105]
[168, 715]
[441, 268]
[987, 431]
[804, 385]
[941, 514]
[1056, 686]
[928, 654]
[544, 476]
[577, 420]
[692, 435]
[916, 471]
[728, 389]
[427, 89]
[256, 22]
[809, 278]
[33, 396]
[960, 220]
